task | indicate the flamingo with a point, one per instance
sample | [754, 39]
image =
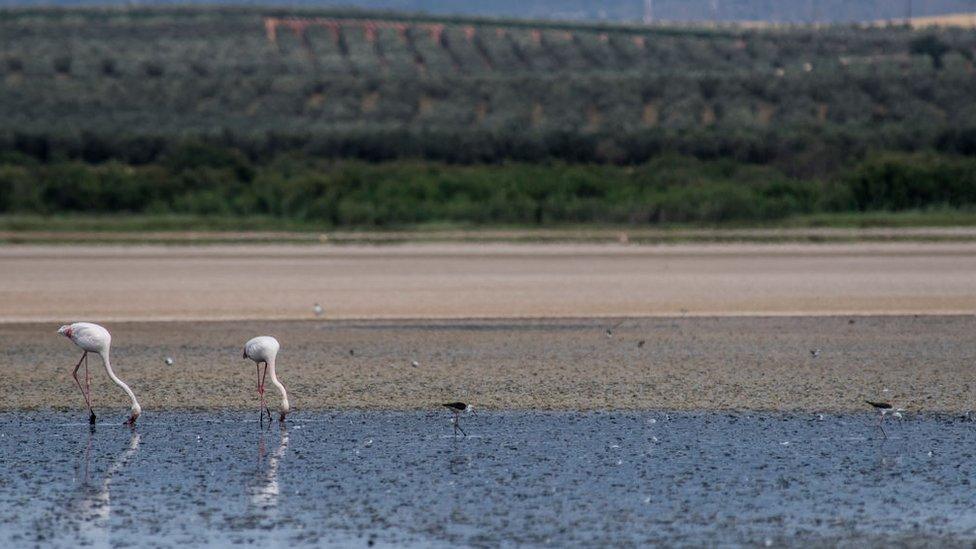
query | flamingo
[93, 338]
[265, 349]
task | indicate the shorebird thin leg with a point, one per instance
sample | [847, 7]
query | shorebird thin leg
[74, 374]
[457, 424]
[881, 425]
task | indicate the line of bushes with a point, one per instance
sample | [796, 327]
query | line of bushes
[801, 152]
[202, 179]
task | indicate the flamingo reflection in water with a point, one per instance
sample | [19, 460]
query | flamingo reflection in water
[91, 506]
[264, 493]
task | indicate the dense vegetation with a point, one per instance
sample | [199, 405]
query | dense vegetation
[203, 180]
[400, 120]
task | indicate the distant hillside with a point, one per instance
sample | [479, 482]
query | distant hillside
[129, 84]
[611, 10]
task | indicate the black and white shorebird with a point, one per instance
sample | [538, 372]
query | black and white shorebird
[458, 408]
[609, 332]
[885, 409]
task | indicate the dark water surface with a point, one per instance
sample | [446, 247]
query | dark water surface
[400, 478]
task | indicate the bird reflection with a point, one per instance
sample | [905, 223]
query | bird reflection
[91, 505]
[265, 492]
[460, 461]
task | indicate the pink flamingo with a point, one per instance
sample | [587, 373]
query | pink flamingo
[265, 349]
[93, 338]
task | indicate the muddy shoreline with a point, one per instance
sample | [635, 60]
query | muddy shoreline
[923, 363]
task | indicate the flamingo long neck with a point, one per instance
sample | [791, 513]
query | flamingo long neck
[119, 382]
[274, 379]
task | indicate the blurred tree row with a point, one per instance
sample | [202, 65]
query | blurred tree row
[202, 179]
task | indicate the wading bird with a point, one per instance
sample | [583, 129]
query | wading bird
[609, 331]
[884, 408]
[93, 338]
[457, 408]
[265, 349]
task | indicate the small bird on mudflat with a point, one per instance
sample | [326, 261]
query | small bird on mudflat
[885, 408]
[609, 332]
[458, 408]
[318, 310]
[815, 353]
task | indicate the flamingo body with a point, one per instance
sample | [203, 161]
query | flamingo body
[90, 337]
[262, 349]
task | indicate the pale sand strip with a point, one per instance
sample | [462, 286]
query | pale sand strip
[102, 283]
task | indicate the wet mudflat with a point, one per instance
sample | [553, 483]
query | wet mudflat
[922, 363]
[537, 478]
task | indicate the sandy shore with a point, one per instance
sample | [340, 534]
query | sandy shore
[102, 283]
[924, 363]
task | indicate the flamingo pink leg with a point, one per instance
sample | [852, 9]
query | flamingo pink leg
[264, 403]
[263, 407]
[84, 393]
[91, 399]
[260, 390]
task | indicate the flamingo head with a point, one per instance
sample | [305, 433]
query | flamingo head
[136, 412]
[65, 330]
[285, 407]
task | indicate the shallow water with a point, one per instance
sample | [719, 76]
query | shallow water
[400, 478]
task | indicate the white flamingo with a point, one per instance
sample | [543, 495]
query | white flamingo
[93, 338]
[265, 349]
